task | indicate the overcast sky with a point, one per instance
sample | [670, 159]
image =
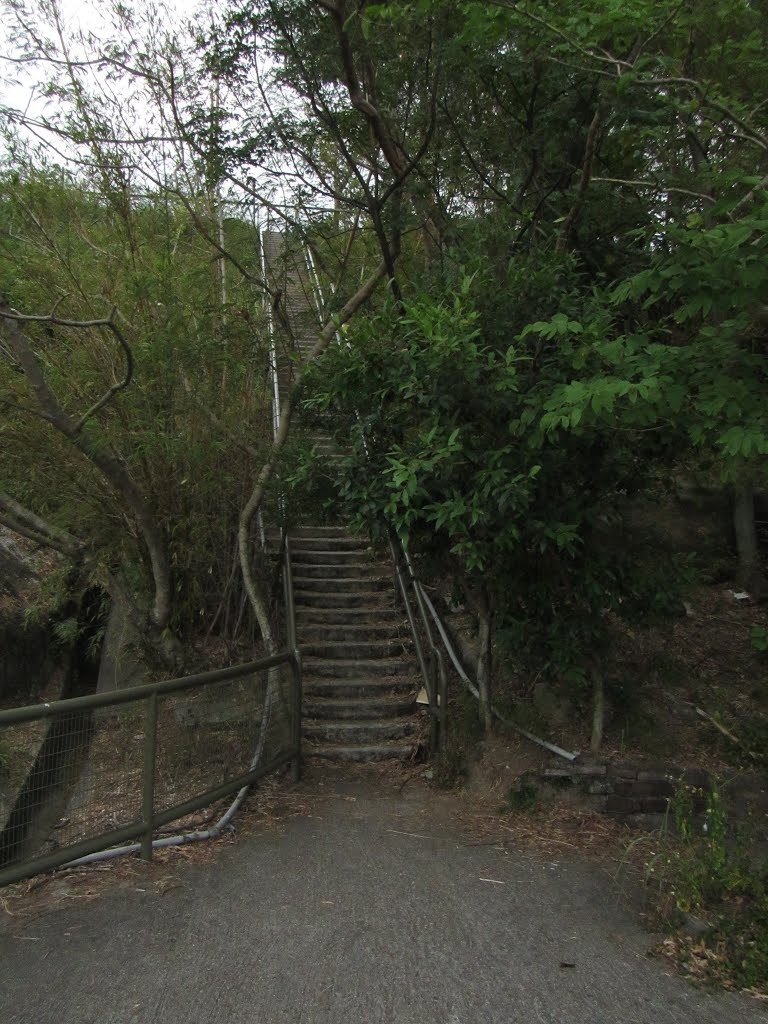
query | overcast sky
[19, 84]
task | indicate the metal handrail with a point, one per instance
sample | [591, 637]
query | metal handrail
[272, 342]
[431, 664]
[293, 646]
[432, 667]
[92, 701]
[409, 613]
[545, 744]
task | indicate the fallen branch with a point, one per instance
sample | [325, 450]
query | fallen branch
[728, 734]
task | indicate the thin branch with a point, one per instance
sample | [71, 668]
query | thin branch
[586, 173]
[109, 323]
[253, 504]
[655, 186]
[23, 521]
[111, 466]
[750, 196]
[247, 448]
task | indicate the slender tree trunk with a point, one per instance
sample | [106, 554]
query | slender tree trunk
[484, 670]
[114, 471]
[750, 575]
[253, 504]
[481, 604]
[598, 710]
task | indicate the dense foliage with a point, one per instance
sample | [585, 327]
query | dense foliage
[182, 429]
[569, 207]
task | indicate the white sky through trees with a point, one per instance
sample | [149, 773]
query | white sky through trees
[23, 79]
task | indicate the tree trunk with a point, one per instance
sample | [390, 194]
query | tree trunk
[750, 575]
[481, 603]
[598, 710]
[114, 471]
[484, 671]
[253, 504]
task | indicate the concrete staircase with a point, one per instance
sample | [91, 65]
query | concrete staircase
[360, 675]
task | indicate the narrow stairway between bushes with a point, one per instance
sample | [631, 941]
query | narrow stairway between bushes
[360, 672]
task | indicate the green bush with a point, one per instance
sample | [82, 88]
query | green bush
[707, 871]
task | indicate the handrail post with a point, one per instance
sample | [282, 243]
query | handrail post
[148, 798]
[293, 647]
[297, 696]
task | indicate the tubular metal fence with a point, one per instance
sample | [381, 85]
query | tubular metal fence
[83, 775]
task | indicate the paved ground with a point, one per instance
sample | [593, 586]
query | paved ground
[343, 917]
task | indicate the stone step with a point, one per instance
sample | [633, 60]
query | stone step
[313, 633]
[358, 708]
[303, 570]
[311, 616]
[356, 651]
[343, 584]
[320, 531]
[330, 544]
[337, 557]
[358, 687]
[378, 752]
[353, 733]
[366, 667]
[363, 600]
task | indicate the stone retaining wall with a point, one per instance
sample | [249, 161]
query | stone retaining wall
[634, 795]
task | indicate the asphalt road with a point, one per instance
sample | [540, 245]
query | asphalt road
[343, 916]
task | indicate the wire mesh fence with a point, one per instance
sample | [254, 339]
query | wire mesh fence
[78, 776]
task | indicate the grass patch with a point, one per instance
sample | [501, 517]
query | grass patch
[708, 872]
[464, 733]
[523, 796]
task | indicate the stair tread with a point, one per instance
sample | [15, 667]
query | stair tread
[355, 723]
[334, 633]
[337, 579]
[314, 554]
[352, 645]
[363, 751]
[354, 598]
[355, 702]
[380, 684]
[301, 563]
[355, 594]
[356, 611]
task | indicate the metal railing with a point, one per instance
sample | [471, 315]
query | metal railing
[91, 773]
[430, 657]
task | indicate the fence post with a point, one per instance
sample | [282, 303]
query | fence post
[297, 696]
[148, 801]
